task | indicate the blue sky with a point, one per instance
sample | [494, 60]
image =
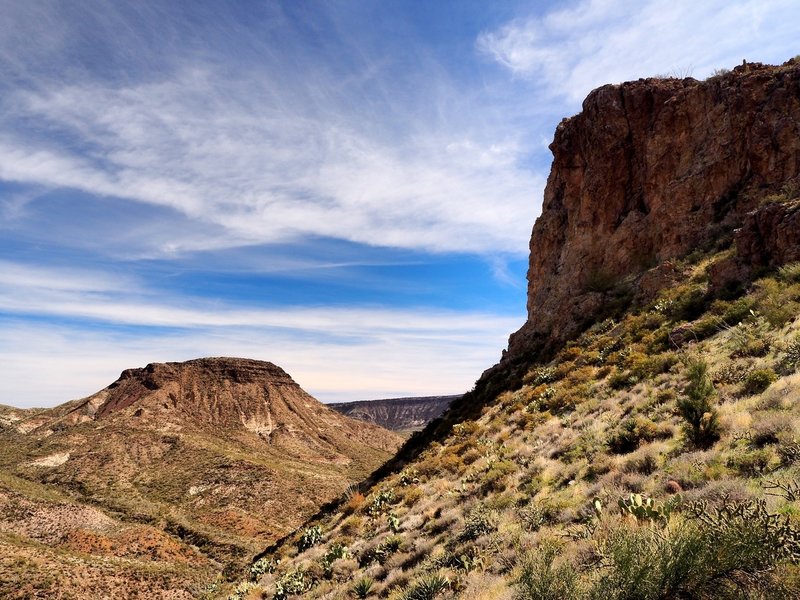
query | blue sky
[343, 188]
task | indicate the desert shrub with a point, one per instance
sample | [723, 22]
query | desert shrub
[769, 429]
[775, 302]
[354, 502]
[790, 273]
[412, 496]
[541, 579]
[758, 381]
[748, 338]
[701, 419]
[752, 463]
[726, 553]
[632, 432]
[362, 587]
[732, 312]
[531, 517]
[644, 367]
[311, 537]
[479, 521]
[380, 552]
[622, 380]
[645, 463]
[730, 373]
[427, 587]
[465, 429]
[352, 525]
[790, 360]
[241, 591]
[689, 304]
[494, 478]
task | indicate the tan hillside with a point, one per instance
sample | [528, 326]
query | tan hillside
[172, 473]
[641, 437]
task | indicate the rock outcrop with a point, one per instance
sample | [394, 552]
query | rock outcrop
[651, 170]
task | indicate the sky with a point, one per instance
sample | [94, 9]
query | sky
[344, 188]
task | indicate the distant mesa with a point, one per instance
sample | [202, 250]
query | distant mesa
[404, 415]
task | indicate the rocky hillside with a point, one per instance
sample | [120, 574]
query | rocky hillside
[404, 415]
[171, 474]
[640, 437]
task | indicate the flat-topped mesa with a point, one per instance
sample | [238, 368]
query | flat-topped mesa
[238, 370]
[651, 170]
[223, 391]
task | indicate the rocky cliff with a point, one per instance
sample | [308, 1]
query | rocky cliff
[649, 171]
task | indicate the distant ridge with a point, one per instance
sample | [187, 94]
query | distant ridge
[398, 414]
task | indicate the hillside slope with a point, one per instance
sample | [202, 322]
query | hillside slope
[640, 437]
[172, 473]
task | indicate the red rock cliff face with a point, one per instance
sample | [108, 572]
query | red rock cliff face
[648, 171]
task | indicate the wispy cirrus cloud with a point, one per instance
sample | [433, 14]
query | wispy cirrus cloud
[574, 49]
[266, 154]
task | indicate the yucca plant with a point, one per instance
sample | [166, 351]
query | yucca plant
[362, 587]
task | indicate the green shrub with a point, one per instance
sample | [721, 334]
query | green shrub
[790, 361]
[541, 579]
[622, 380]
[631, 432]
[753, 463]
[702, 423]
[790, 273]
[758, 381]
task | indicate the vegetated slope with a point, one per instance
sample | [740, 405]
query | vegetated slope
[652, 454]
[167, 476]
[404, 415]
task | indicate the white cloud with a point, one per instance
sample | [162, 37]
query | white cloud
[271, 163]
[570, 51]
[91, 325]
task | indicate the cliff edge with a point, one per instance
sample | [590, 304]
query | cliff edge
[649, 171]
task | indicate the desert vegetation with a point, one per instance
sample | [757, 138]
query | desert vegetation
[656, 456]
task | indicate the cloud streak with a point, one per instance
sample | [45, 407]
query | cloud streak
[272, 156]
[571, 50]
[338, 354]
